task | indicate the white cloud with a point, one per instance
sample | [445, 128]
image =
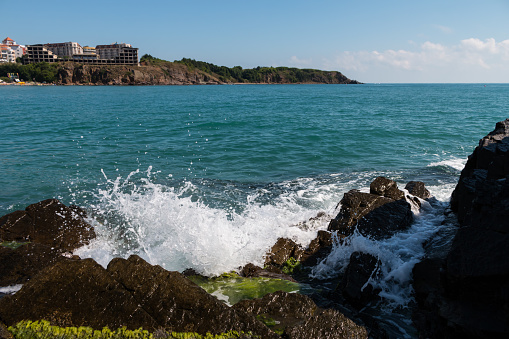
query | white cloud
[432, 59]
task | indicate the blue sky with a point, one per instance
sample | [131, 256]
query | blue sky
[370, 40]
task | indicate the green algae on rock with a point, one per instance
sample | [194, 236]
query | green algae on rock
[232, 288]
[27, 329]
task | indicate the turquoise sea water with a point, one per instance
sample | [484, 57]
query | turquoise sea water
[208, 177]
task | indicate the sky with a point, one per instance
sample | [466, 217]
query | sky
[372, 41]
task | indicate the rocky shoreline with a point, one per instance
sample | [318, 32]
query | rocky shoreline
[460, 292]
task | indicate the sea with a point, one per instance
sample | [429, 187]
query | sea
[209, 177]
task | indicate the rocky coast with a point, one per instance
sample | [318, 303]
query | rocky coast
[460, 291]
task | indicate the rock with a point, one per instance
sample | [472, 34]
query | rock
[471, 298]
[129, 293]
[282, 308]
[283, 250]
[178, 304]
[375, 216]
[318, 249]
[4, 332]
[75, 293]
[253, 271]
[299, 317]
[18, 265]
[355, 285]
[48, 222]
[418, 189]
[386, 188]
[328, 324]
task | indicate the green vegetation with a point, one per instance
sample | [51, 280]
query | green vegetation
[150, 60]
[40, 72]
[43, 330]
[263, 74]
[233, 288]
[12, 244]
[290, 266]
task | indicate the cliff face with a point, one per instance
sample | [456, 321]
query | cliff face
[171, 74]
[174, 73]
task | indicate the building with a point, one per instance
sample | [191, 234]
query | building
[118, 53]
[65, 49]
[121, 54]
[10, 50]
[39, 53]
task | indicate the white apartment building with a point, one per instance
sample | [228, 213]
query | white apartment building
[11, 50]
[65, 49]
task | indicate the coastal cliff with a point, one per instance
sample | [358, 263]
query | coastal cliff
[154, 71]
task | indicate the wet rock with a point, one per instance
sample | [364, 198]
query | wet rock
[355, 284]
[318, 249]
[329, 324]
[177, 303]
[253, 271]
[418, 189]
[18, 265]
[375, 216]
[283, 250]
[472, 296]
[281, 308]
[386, 188]
[75, 293]
[4, 333]
[48, 222]
[129, 293]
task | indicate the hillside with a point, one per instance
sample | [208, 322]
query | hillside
[154, 71]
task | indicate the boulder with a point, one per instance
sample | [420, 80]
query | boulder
[386, 188]
[281, 308]
[178, 304]
[355, 285]
[299, 317]
[129, 293]
[330, 324]
[374, 215]
[469, 293]
[48, 222]
[418, 189]
[283, 250]
[18, 265]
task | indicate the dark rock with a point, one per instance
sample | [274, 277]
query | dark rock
[253, 271]
[418, 189]
[129, 293]
[328, 324]
[75, 293]
[285, 309]
[178, 304]
[375, 216]
[47, 222]
[386, 220]
[470, 295]
[283, 250]
[386, 188]
[4, 332]
[354, 206]
[318, 249]
[18, 265]
[355, 284]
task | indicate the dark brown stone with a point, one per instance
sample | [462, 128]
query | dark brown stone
[329, 324]
[47, 222]
[283, 250]
[386, 188]
[418, 189]
[354, 285]
[4, 332]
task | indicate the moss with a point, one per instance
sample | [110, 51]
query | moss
[44, 330]
[290, 266]
[12, 244]
[232, 288]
